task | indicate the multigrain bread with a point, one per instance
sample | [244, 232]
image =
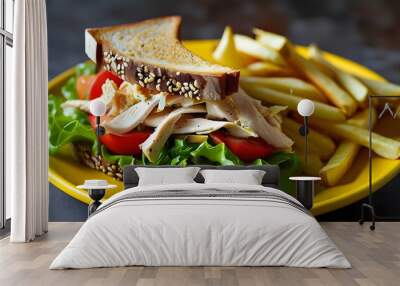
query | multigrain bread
[150, 53]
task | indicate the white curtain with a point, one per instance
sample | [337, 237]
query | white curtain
[26, 121]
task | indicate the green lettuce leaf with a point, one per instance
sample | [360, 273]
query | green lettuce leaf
[259, 162]
[181, 152]
[62, 133]
[68, 90]
[289, 165]
[66, 128]
[87, 68]
[216, 154]
[120, 160]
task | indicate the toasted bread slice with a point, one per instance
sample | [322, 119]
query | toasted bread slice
[150, 53]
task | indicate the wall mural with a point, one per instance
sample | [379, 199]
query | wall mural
[177, 126]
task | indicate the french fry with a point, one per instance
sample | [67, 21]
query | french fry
[340, 163]
[361, 118]
[354, 86]
[320, 144]
[314, 163]
[288, 85]
[267, 69]
[226, 53]
[381, 145]
[335, 94]
[265, 94]
[255, 49]
[345, 154]
[382, 88]
[275, 41]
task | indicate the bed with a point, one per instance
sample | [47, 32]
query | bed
[198, 224]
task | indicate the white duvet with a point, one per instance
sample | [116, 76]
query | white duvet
[200, 231]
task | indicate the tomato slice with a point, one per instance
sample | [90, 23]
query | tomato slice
[124, 144]
[95, 89]
[83, 84]
[247, 149]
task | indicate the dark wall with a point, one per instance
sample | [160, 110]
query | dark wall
[367, 31]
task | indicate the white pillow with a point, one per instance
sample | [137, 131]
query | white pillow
[166, 176]
[248, 177]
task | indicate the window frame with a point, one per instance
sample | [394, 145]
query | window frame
[6, 39]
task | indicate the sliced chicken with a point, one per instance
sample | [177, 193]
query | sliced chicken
[121, 102]
[163, 101]
[109, 89]
[155, 119]
[132, 117]
[76, 103]
[181, 101]
[221, 109]
[152, 147]
[205, 126]
[271, 113]
[249, 116]
[135, 91]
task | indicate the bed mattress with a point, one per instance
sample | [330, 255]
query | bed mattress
[201, 225]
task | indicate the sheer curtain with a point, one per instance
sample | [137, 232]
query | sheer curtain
[26, 122]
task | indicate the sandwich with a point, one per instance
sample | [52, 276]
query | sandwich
[165, 105]
[150, 53]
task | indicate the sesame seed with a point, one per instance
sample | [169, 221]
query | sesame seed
[158, 87]
[198, 97]
[178, 73]
[178, 84]
[113, 66]
[152, 75]
[196, 83]
[190, 94]
[170, 89]
[185, 84]
[141, 83]
[196, 91]
[187, 88]
[146, 69]
[192, 87]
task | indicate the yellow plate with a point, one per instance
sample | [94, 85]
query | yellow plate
[66, 172]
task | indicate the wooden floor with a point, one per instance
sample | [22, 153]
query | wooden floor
[375, 257]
